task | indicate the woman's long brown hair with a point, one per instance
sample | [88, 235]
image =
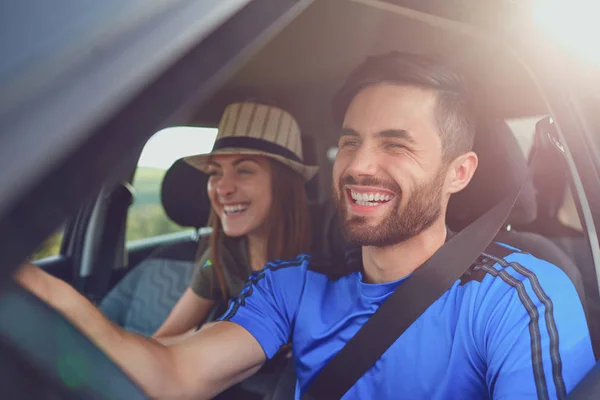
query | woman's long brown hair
[288, 224]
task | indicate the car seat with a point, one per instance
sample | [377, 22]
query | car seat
[502, 166]
[142, 300]
[550, 179]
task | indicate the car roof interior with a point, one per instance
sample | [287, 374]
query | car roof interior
[303, 66]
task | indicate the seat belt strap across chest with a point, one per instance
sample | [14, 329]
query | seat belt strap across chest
[411, 299]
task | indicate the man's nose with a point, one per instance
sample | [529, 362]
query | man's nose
[364, 162]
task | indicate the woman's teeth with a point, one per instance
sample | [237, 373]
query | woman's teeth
[235, 209]
[370, 199]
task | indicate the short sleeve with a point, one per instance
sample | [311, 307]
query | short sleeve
[268, 304]
[203, 279]
[537, 342]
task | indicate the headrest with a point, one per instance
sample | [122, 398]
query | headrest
[549, 174]
[184, 195]
[502, 168]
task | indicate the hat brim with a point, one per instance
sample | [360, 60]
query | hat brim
[200, 161]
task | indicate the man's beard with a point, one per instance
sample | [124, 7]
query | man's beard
[421, 210]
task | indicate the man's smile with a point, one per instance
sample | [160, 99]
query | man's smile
[368, 200]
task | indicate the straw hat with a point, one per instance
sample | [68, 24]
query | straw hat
[258, 129]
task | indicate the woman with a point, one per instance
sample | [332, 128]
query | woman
[259, 207]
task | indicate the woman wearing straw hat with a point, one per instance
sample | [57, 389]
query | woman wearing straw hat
[259, 207]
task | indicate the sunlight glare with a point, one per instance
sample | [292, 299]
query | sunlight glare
[575, 23]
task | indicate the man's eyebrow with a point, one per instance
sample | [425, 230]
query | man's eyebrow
[396, 134]
[348, 132]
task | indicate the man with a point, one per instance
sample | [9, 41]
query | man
[514, 329]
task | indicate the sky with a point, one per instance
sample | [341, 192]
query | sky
[170, 144]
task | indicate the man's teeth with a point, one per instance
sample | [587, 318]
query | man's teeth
[369, 199]
[367, 203]
[236, 208]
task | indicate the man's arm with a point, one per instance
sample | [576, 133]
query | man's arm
[199, 367]
[533, 333]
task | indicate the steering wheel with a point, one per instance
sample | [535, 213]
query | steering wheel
[43, 356]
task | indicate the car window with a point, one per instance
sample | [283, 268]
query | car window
[524, 131]
[50, 247]
[146, 217]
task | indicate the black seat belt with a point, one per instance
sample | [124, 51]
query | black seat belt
[411, 299]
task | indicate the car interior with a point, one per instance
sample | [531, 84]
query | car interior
[304, 52]
[142, 299]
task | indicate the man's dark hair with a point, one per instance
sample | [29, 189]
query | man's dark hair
[453, 111]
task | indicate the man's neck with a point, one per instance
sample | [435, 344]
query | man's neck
[388, 264]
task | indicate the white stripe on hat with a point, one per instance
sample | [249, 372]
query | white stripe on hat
[243, 119]
[233, 117]
[273, 126]
[259, 120]
[265, 125]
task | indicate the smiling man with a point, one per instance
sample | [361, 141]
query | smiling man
[514, 328]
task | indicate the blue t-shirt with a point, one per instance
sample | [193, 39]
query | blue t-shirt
[511, 328]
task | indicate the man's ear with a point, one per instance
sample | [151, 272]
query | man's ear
[461, 171]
